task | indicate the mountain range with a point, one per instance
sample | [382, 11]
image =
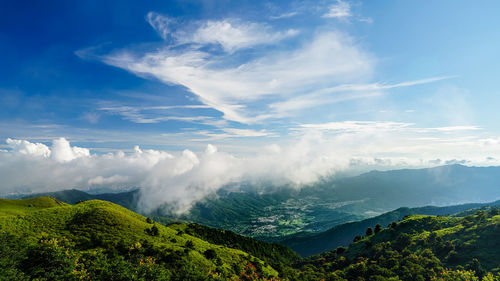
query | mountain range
[273, 213]
[43, 238]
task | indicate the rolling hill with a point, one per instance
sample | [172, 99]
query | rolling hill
[307, 244]
[97, 240]
[126, 199]
[44, 239]
[417, 248]
[272, 212]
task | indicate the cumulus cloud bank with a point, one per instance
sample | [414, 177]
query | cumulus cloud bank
[180, 179]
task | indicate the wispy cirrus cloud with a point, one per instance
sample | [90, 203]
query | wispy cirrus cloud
[279, 74]
[252, 87]
[229, 34]
[340, 10]
[231, 133]
[284, 15]
[153, 114]
[344, 93]
[370, 126]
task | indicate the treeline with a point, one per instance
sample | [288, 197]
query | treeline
[274, 254]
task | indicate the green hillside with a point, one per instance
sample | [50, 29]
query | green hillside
[11, 207]
[97, 240]
[307, 244]
[417, 248]
[72, 196]
[45, 239]
[269, 212]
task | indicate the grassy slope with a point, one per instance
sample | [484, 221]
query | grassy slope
[108, 223]
[342, 235]
[9, 207]
[455, 240]
[126, 199]
[319, 207]
[418, 247]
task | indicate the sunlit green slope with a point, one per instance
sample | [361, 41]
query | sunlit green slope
[98, 240]
[417, 248]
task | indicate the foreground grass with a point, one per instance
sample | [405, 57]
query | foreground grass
[102, 230]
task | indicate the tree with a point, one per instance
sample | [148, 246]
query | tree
[189, 244]
[476, 267]
[494, 212]
[378, 228]
[369, 231]
[49, 261]
[210, 254]
[153, 231]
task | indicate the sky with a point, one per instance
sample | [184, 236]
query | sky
[117, 94]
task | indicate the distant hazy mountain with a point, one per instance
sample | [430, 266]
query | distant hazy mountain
[336, 201]
[285, 211]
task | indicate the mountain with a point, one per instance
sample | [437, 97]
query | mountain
[270, 212]
[286, 211]
[417, 248]
[45, 239]
[307, 244]
[125, 199]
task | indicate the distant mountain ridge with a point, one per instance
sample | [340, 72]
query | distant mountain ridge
[332, 202]
[286, 211]
[126, 199]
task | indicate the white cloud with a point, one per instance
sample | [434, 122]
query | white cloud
[370, 126]
[61, 151]
[233, 35]
[154, 114]
[340, 10]
[457, 128]
[271, 82]
[284, 16]
[230, 34]
[343, 93]
[231, 133]
[328, 59]
[160, 23]
[357, 126]
[91, 117]
[181, 179]
[114, 179]
[28, 148]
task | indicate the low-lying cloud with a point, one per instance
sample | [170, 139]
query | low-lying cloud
[179, 179]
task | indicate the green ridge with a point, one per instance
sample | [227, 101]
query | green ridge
[97, 231]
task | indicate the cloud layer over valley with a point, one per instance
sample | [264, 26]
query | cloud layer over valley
[180, 179]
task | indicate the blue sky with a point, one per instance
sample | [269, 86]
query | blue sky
[387, 83]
